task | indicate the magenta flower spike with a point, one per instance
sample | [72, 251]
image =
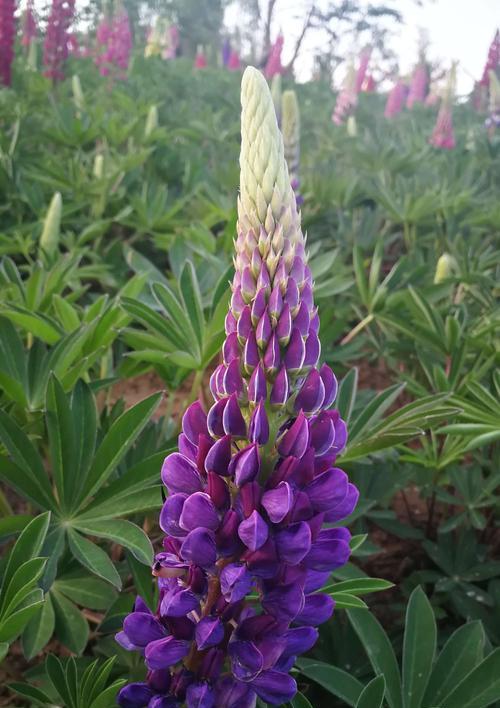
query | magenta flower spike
[274, 65]
[443, 135]
[56, 49]
[492, 61]
[7, 38]
[200, 60]
[396, 99]
[114, 45]
[363, 68]
[419, 85]
[246, 550]
[28, 25]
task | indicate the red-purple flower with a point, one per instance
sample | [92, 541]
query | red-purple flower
[443, 135]
[55, 51]
[200, 60]
[419, 85]
[7, 37]
[396, 99]
[363, 68]
[493, 59]
[28, 25]
[114, 45]
[254, 480]
[274, 65]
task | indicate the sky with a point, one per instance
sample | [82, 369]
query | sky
[457, 30]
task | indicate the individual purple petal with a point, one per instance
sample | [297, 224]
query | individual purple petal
[302, 508]
[219, 455]
[246, 660]
[329, 551]
[277, 502]
[200, 695]
[227, 533]
[327, 490]
[230, 693]
[179, 474]
[230, 323]
[322, 430]
[253, 531]
[257, 386]
[251, 353]
[258, 306]
[237, 302]
[294, 356]
[296, 439]
[199, 547]
[272, 356]
[135, 695]
[248, 287]
[315, 579]
[284, 326]
[194, 422]
[233, 380]
[170, 515]
[313, 350]
[311, 394]
[317, 609]
[187, 448]
[306, 295]
[297, 269]
[218, 490]
[284, 602]
[293, 542]
[209, 632]
[275, 687]
[163, 702]
[211, 664]
[302, 319]
[244, 325]
[258, 429]
[314, 326]
[245, 465]
[250, 496]
[217, 382]
[231, 348]
[235, 582]
[159, 681]
[214, 418]
[178, 603]
[330, 384]
[167, 564]
[164, 652]
[125, 642]
[340, 435]
[299, 640]
[275, 303]
[199, 510]
[263, 280]
[292, 295]
[264, 562]
[279, 391]
[263, 330]
[232, 419]
[344, 507]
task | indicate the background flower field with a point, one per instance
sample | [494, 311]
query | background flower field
[117, 221]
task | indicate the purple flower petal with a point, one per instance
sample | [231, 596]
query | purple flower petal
[142, 628]
[219, 455]
[180, 474]
[232, 419]
[233, 380]
[296, 439]
[164, 652]
[278, 502]
[253, 531]
[170, 514]
[200, 695]
[299, 640]
[125, 642]
[214, 418]
[257, 386]
[311, 394]
[235, 582]
[322, 430]
[327, 490]
[330, 384]
[135, 695]
[230, 693]
[284, 602]
[199, 510]
[329, 551]
[279, 391]
[272, 356]
[179, 603]
[275, 687]
[295, 352]
[199, 547]
[246, 660]
[293, 542]
[258, 430]
[194, 422]
[317, 609]
[345, 507]
[245, 465]
[209, 632]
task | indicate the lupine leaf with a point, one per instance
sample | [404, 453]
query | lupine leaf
[419, 648]
[372, 695]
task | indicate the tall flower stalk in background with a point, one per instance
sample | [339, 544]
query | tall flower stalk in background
[443, 135]
[254, 479]
[114, 41]
[28, 26]
[396, 99]
[290, 127]
[55, 50]
[493, 120]
[7, 38]
[418, 86]
[274, 65]
[200, 60]
[492, 60]
[347, 98]
[364, 60]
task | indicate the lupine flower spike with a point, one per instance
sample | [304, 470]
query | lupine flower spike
[234, 63]
[114, 39]
[418, 86]
[29, 25]
[492, 61]
[200, 60]
[395, 99]
[363, 68]
[274, 65]
[254, 479]
[443, 135]
[493, 120]
[347, 98]
[290, 126]
[55, 50]
[7, 37]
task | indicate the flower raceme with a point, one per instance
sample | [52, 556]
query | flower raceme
[253, 490]
[7, 38]
[55, 49]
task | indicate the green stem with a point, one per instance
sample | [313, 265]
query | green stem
[361, 325]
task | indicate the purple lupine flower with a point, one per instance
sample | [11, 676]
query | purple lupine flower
[246, 549]
[273, 64]
[347, 98]
[55, 50]
[396, 99]
[226, 52]
[492, 61]
[29, 25]
[114, 45]
[7, 37]
[418, 86]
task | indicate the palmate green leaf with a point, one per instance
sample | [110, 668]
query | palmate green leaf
[39, 325]
[334, 680]
[39, 630]
[461, 653]
[20, 585]
[84, 412]
[126, 504]
[380, 652]
[31, 693]
[480, 688]
[344, 601]
[71, 627]
[62, 441]
[13, 524]
[122, 532]
[117, 441]
[86, 590]
[300, 701]
[178, 317]
[191, 299]
[12, 625]
[358, 586]
[93, 557]
[106, 699]
[154, 321]
[347, 394]
[372, 695]
[59, 679]
[419, 648]
[27, 546]
[375, 410]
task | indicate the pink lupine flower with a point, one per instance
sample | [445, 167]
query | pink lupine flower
[7, 37]
[395, 99]
[200, 60]
[234, 63]
[29, 25]
[363, 67]
[55, 50]
[114, 41]
[172, 43]
[493, 60]
[418, 86]
[274, 65]
[347, 98]
[443, 135]
[370, 84]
